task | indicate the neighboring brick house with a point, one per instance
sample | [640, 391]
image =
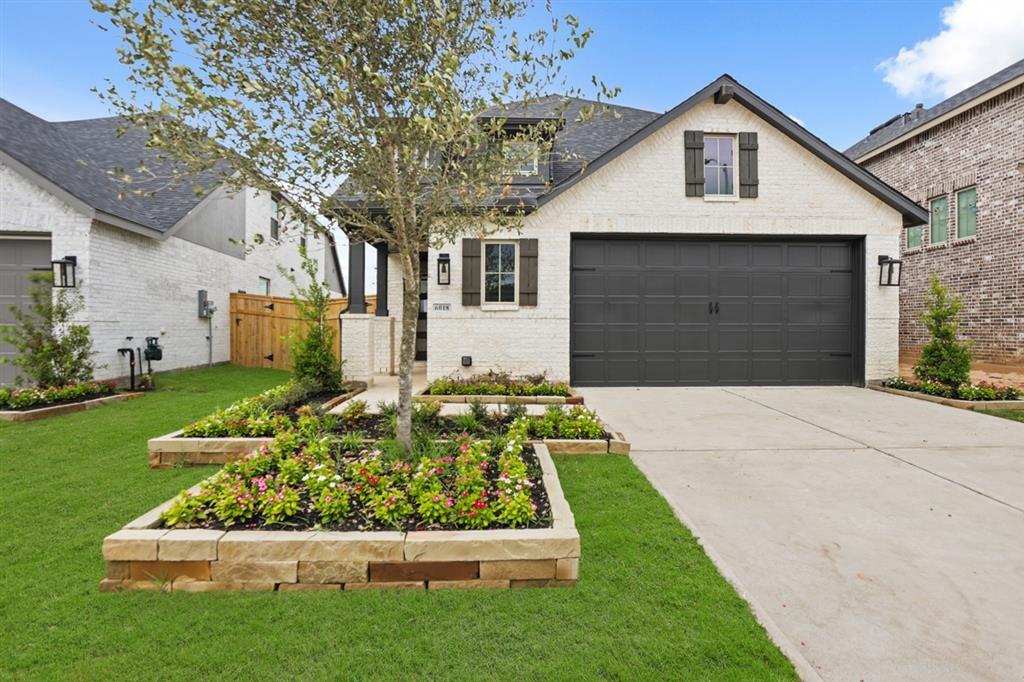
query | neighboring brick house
[719, 243]
[963, 159]
[141, 260]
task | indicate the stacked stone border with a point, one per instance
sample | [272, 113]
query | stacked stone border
[144, 556]
[173, 449]
[573, 398]
[67, 408]
[952, 402]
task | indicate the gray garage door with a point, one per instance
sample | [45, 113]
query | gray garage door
[679, 312]
[18, 258]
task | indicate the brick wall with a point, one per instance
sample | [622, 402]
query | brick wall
[643, 192]
[980, 148]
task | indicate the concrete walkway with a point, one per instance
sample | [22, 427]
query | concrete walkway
[877, 537]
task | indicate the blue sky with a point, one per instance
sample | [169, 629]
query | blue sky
[817, 61]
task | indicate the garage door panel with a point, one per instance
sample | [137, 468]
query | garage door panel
[646, 313]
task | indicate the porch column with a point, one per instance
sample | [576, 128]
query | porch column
[382, 280]
[357, 277]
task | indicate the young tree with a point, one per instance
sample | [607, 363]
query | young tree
[943, 359]
[384, 95]
[52, 349]
[311, 342]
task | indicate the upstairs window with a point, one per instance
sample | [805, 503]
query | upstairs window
[275, 216]
[525, 157]
[966, 212]
[719, 165]
[939, 208]
[914, 237]
[499, 272]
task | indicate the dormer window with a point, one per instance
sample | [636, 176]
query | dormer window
[719, 165]
[526, 157]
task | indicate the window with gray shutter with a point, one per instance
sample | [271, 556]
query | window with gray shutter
[528, 272]
[693, 141]
[470, 272]
[748, 165]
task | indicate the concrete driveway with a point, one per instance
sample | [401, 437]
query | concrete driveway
[877, 537]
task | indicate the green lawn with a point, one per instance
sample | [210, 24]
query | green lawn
[649, 604]
[1015, 415]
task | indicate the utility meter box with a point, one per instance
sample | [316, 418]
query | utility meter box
[206, 307]
[153, 349]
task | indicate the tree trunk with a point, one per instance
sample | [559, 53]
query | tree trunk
[407, 347]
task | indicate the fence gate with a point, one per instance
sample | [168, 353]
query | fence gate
[260, 326]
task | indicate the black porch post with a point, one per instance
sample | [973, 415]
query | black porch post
[382, 280]
[357, 277]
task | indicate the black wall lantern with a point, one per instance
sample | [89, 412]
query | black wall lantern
[64, 272]
[889, 271]
[444, 269]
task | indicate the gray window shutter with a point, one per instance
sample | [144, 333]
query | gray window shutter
[693, 141]
[528, 272]
[470, 272]
[748, 165]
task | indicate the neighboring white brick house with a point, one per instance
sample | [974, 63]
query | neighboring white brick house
[143, 283]
[804, 190]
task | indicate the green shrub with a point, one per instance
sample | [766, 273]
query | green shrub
[981, 391]
[498, 383]
[26, 398]
[944, 359]
[311, 341]
[52, 349]
[578, 423]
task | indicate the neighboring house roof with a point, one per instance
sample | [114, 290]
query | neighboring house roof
[78, 156]
[583, 147]
[913, 122]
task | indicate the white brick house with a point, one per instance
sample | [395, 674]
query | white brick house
[140, 260]
[647, 270]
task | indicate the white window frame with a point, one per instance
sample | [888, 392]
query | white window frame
[265, 285]
[498, 305]
[534, 158]
[734, 196]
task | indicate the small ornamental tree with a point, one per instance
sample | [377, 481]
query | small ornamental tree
[943, 359]
[311, 342]
[52, 349]
[383, 95]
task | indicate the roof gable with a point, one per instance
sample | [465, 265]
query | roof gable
[912, 213]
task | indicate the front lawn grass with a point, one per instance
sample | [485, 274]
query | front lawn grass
[1015, 415]
[649, 604]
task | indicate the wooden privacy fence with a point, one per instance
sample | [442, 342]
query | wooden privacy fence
[260, 326]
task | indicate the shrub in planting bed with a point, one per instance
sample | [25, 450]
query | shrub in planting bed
[499, 383]
[34, 397]
[980, 391]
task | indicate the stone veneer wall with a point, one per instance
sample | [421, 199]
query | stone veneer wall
[142, 556]
[980, 147]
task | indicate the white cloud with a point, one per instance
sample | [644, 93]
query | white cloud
[980, 38]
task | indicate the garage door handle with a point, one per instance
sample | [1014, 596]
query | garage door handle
[583, 355]
[840, 355]
[716, 307]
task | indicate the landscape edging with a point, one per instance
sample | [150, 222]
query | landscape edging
[67, 408]
[953, 402]
[143, 556]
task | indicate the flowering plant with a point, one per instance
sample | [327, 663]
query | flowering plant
[498, 383]
[34, 396]
[982, 390]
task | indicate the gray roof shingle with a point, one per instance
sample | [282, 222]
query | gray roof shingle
[78, 157]
[904, 123]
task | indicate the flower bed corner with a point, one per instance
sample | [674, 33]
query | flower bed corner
[937, 394]
[30, 404]
[145, 556]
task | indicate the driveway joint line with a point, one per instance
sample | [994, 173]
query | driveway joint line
[882, 452]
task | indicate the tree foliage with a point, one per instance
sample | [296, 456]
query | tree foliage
[311, 342]
[944, 359]
[52, 349]
[384, 95]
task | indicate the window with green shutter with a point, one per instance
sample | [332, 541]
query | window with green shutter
[966, 212]
[914, 237]
[939, 219]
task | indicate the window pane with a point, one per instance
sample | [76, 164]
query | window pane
[508, 288]
[491, 257]
[491, 288]
[966, 212]
[725, 184]
[940, 220]
[914, 237]
[710, 150]
[725, 150]
[711, 180]
[508, 258]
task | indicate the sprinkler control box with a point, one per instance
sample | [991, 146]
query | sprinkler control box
[154, 351]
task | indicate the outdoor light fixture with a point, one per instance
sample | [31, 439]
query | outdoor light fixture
[64, 272]
[889, 271]
[444, 269]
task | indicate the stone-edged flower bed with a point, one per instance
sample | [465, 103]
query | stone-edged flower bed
[29, 404]
[240, 428]
[981, 396]
[147, 555]
[499, 388]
